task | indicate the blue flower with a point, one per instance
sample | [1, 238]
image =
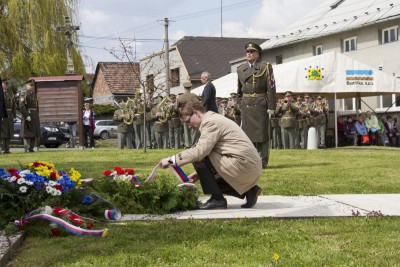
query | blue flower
[87, 199]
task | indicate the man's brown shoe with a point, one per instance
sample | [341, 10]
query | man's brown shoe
[251, 197]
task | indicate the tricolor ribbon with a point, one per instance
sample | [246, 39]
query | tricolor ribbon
[114, 214]
[176, 170]
[60, 222]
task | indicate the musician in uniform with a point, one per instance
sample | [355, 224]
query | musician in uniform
[234, 108]
[174, 123]
[30, 123]
[190, 135]
[138, 108]
[302, 129]
[257, 93]
[321, 112]
[124, 119]
[160, 126]
[276, 128]
[289, 111]
[7, 124]
[223, 108]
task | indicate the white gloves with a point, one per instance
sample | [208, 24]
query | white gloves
[28, 118]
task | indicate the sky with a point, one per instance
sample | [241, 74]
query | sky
[139, 24]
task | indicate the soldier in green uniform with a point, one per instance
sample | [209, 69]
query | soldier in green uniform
[138, 108]
[289, 111]
[276, 128]
[302, 123]
[257, 94]
[321, 112]
[30, 125]
[190, 135]
[124, 119]
[235, 108]
[160, 126]
[174, 123]
[7, 126]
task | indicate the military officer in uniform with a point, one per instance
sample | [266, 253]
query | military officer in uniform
[160, 126]
[124, 119]
[289, 111]
[7, 125]
[302, 129]
[190, 135]
[138, 108]
[321, 112]
[256, 90]
[30, 125]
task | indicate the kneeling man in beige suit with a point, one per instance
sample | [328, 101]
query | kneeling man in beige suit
[225, 160]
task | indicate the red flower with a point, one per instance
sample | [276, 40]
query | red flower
[59, 187]
[53, 175]
[130, 171]
[75, 219]
[60, 211]
[55, 232]
[48, 167]
[120, 171]
[12, 170]
[89, 225]
[107, 173]
[16, 175]
[36, 164]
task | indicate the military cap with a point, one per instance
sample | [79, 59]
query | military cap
[218, 98]
[300, 97]
[233, 94]
[253, 46]
[319, 97]
[307, 96]
[187, 84]
[224, 100]
[288, 93]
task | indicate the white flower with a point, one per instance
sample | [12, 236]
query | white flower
[55, 192]
[49, 189]
[29, 182]
[23, 189]
[24, 172]
[52, 183]
[21, 181]
[12, 179]
[47, 210]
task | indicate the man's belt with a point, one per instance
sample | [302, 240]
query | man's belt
[255, 95]
[32, 109]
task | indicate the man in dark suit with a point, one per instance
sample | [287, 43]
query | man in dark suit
[208, 95]
[256, 89]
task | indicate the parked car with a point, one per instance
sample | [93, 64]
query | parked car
[105, 129]
[51, 135]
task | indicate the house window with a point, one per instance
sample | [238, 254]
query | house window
[318, 50]
[175, 80]
[350, 44]
[387, 101]
[348, 104]
[390, 34]
[279, 59]
[150, 82]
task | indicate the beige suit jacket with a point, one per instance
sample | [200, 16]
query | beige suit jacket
[231, 152]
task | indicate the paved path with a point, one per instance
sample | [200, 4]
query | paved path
[293, 207]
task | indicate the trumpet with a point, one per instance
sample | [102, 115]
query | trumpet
[163, 108]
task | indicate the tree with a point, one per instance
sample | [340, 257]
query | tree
[30, 44]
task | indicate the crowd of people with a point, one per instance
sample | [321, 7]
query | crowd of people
[368, 131]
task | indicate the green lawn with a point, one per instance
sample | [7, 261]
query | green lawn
[356, 241]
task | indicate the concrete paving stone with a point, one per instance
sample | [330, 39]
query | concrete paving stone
[387, 204]
[267, 206]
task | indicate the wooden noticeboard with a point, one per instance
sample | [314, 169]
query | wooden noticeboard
[60, 99]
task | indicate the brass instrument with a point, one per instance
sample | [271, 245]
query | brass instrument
[163, 108]
[128, 112]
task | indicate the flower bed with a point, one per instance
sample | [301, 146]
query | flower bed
[38, 189]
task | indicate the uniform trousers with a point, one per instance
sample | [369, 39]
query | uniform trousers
[162, 138]
[262, 149]
[276, 137]
[288, 137]
[124, 140]
[211, 182]
[302, 135]
[321, 129]
[29, 143]
[138, 135]
[174, 137]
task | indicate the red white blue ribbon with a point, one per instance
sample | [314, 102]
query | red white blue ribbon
[112, 215]
[60, 222]
[176, 170]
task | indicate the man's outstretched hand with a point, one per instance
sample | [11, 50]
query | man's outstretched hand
[193, 177]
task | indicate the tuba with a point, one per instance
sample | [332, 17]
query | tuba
[128, 112]
[163, 107]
